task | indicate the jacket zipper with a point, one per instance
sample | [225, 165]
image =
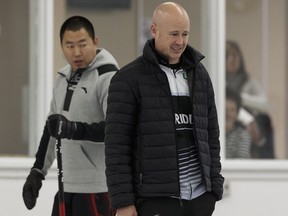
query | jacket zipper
[178, 177]
[141, 159]
[193, 118]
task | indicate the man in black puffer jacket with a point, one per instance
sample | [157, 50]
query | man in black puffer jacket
[162, 136]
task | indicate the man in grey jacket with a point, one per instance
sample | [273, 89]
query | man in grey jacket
[79, 103]
[162, 136]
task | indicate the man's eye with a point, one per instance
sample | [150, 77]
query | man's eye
[82, 45]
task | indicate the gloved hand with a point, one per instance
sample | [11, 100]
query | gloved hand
[31, 188]
[60, 127]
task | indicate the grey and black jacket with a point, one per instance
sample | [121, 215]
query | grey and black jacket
[140, 138]
[84, 102]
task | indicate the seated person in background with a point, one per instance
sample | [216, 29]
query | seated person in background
[238, 139]
[261, 131]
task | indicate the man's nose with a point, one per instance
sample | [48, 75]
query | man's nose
[180, 40]
[77, 51]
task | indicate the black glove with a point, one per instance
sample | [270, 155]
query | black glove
[31, 188]
[61, 127]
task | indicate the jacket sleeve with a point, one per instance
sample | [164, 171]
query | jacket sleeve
[214, 144]
[46, 152]
[120, 126]
[94, 132]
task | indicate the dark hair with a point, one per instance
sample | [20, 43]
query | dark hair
[234, 96]
[75, 23]
[242, 73]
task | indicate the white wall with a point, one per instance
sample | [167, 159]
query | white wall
[252, 189]
[13, 173]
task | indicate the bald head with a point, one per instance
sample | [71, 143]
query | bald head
[169, 10]
[170, 29]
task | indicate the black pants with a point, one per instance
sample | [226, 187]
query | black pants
[201, 206]
[78, 204]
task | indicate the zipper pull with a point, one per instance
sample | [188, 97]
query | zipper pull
[180, 200]
[141, 179]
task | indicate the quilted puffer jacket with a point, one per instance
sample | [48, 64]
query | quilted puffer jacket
[140, 141]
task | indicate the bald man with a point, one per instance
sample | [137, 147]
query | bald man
[162, 135]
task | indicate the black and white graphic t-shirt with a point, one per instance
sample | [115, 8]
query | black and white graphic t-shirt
[189, 168]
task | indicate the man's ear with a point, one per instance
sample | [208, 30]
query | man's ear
[96, 40]
[153, 30]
